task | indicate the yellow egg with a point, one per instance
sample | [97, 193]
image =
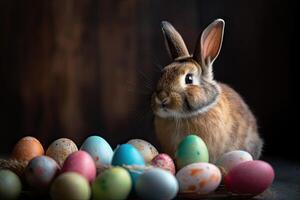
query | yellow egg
[70, 186]
[27, 148]
[60, 149]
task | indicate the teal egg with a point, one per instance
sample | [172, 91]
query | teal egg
[127, 154]
[10, 185]
[113, 184]
[190, 150]
[99, 149]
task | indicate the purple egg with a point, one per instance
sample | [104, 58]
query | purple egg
[40, 172]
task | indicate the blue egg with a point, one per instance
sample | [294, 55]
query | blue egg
[99, 149]
[157, 184]
[127, 154]
[40, 172]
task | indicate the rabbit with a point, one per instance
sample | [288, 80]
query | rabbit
[187, 99]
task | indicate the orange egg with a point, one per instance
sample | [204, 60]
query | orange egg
[27, 148]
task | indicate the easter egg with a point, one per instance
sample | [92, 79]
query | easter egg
[164, 161]
[233, 158]
[71, 186]
[157, 184]
[201, 178]
[147, 150]
[60, 149]
[10, 185]
[127, 154]
[99, 149]
[27, 148]
[191, 149]
[40, 172]
[113, 184]
[82, 163]
[251, 177]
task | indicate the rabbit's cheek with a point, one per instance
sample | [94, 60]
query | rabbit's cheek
[176, 101]
[195, 96]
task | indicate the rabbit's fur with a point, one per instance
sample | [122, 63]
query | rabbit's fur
[204, 107]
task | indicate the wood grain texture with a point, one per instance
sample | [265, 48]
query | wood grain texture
[68, 68]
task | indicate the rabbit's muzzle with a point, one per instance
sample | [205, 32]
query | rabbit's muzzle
[188, 102]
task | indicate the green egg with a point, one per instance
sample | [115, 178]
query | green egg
[112, 184]
[10, 185]
[190, 150]
[71, 186]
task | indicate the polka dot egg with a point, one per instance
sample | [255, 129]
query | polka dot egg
[27, 148]
[164, 161]
[147, 150]
[60, 149]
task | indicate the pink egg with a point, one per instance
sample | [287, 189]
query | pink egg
[164, 161]
[251, 177]
[82, 163]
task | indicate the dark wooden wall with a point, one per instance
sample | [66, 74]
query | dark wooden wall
[72, 67]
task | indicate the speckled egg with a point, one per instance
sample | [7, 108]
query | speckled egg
[147, 150]
[82, 163]
[70, 186]
[40, 172]
[251, 177]
[164, 161]
[233, 158]
[201, 178]
[27, 148]
[127, 154]
[190, 150]
[99, 149]
[60, 149]
[113, 184]
[157, 184]
[10, 185]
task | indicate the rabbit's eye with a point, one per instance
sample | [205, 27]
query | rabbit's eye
[189, 79]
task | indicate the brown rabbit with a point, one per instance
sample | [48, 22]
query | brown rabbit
[188, 100]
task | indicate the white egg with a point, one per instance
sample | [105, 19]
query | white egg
[147, 150]
[201, 178]
[233, 158]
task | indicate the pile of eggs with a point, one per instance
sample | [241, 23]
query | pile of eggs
[136, 168]
[241, 174]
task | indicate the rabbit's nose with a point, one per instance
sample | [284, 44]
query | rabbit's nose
[164, 102]
[163, 99]
[162, 95]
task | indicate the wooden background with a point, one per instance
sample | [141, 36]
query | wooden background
[69, 68]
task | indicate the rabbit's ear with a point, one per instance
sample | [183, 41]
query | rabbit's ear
[174, 42]
[209, 44]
